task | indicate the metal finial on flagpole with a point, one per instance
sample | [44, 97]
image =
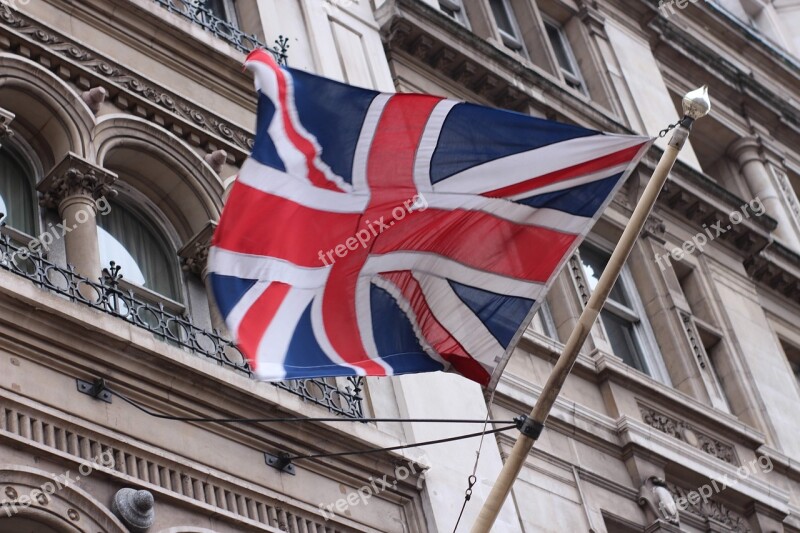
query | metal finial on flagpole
[696, 104]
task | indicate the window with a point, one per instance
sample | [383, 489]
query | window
[454, 10]
[543, 322]
[507, 25]
[564, 55]
[623, 317]
[16, 194]
[793, 354]
[223, 10]
[145, 258]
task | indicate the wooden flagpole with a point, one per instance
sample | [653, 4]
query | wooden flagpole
[696, 104]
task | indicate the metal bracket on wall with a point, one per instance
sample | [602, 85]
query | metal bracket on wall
[96, 389]
[281, 462]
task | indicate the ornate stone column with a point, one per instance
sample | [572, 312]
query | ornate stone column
[748, 153]
[73, 187]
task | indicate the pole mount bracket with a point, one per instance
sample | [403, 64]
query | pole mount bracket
[96, 389]
[529, 427]
[281, 462]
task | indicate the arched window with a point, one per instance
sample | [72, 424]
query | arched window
[146, 259]
[16, 193]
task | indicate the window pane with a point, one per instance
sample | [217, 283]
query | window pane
[560, 47]
[217, 7]
[594, 262]
[16, 195]
[502, 17]
[623, 340]
[125, 239]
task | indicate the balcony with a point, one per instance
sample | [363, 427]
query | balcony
[108, 295]
[196, 12]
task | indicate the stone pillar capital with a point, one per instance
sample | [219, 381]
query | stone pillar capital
[74, 177]
[194, 254]
[746, 149]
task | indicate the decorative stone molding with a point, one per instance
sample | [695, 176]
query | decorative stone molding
[712, 511]
[75, 176]
[777, 268]
[135, 509]
[787, 191]
[242, 505]
[657, 497]
[194, 254]
[576, 270]
[216, 159]
[655, 228]
[129, 91]
[688, 434]
[94, 98]
[6, 117]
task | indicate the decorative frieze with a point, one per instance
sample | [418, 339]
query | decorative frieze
[693, 437]
[709, 509]
[117, 80]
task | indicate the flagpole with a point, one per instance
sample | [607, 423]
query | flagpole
[695, 105]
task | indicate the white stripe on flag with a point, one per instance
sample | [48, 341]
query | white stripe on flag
[524, 166]
[427, 145]
[460, 321]
[272, 181]
[258, 267]
[274, 345]
[365, 138]
[447, 268]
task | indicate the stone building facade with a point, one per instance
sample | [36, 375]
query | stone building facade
[125, 121]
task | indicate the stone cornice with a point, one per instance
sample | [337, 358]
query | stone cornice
[777, 268]
[414, 29]
[129, 91]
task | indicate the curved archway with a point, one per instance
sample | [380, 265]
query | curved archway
[51, 508]
[163, 168]
[50, 116]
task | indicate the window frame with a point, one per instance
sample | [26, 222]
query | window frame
[149, 217]
[459, 12]
[569, 78]
[24, 155]
[515, 43]
[231, 16]
[647, 347]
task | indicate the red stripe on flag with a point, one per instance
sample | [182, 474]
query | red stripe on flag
[575, 171]
[273, 226]
[390, 175]
[434, 332]
[479, 240]
[305, 146]
[258, 318]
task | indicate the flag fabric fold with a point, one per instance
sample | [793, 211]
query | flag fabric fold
[383, 234]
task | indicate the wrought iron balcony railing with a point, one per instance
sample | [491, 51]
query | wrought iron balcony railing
[197, 12]
[108, 296]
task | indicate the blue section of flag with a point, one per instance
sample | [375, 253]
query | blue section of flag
[583, 200]
[336, 127]
[305, 358]
[465, 142]
[395, 339]
[502, 315]
[229, 290]
[264, 149]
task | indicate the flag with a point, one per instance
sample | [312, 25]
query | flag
[381, 234]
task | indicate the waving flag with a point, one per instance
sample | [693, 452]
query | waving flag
[381, 234]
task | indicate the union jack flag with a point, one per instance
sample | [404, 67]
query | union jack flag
[382, 234]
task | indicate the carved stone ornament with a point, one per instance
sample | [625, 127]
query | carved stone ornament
[688, 434]
[657, 497]
[135, 509]
[710, 509]
[75, 176]
[6, 117]
[194, 255]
